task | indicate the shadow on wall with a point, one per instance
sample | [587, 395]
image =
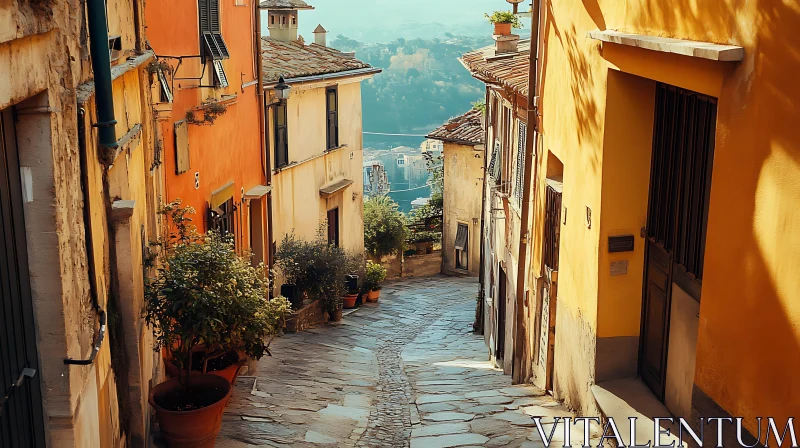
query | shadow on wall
[581, 80]
[749, 336]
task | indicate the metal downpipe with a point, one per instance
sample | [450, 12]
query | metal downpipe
[101, 66]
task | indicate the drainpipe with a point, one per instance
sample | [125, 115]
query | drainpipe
[531, 168]
[101, 66]
[264, 116]
[479, 324]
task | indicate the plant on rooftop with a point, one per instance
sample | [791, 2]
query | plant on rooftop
[504, 17]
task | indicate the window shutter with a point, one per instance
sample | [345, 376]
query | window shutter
[213, 16]
[181, 147]
[520, 180]
[462, 237]
[497, 161]
[219, 72]
[203, 11]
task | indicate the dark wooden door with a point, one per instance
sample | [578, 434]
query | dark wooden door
[680, 183]
[21, 422]
[333, 227]
[500, 347]
[549, 303]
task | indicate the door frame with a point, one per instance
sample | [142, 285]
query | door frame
[10, 176]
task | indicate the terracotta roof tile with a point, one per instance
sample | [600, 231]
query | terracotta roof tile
[294, 60]
[284, 4]
[511, 71]
[464, 129]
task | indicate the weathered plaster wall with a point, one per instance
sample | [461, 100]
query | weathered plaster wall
[752, 223]
[463, 182]
[298, 205]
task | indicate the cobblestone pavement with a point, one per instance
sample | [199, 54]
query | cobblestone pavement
[406, 371]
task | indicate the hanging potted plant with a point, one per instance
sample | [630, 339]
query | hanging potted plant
[503, 21]
[375, 274]
[204, 303]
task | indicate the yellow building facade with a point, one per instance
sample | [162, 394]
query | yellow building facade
[81, 189]
[671, 127]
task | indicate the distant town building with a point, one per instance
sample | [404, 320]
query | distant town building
[376, 182]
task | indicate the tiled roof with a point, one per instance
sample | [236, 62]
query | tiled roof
[294, 60]
[465, 129]
[284, 4]
[510, 71]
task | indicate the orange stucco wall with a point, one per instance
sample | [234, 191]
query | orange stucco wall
[230, 148]
[749, 329]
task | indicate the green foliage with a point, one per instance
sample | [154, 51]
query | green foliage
[205, 294]
[504, 17]
[384, 229]
[316, 267]
[480, 105]
[375, 274]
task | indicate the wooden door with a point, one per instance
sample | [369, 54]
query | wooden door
[550, 255]
[501, 315]
[333, 227]
[21, 421]
[680, 183]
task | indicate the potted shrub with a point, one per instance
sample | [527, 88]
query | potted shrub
[375, 274]
[503, 21]
[204, 303]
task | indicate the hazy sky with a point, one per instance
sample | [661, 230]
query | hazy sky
[383, 20]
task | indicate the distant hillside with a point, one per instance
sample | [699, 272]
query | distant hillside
[422, 85]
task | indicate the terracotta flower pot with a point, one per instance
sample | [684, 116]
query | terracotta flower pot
[373, 295]
[336, 316]
[198, 426]
[349, 301]
[502, 29]
[229, 373]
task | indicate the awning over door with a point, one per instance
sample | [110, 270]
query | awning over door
[334, 187]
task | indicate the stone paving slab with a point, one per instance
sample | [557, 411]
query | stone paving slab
[404, 372]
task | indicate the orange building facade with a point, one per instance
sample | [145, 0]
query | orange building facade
[210, 114]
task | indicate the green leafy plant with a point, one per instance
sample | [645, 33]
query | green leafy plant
[480, 105]
[425, 221]
[316, 267]
[205, 296]
[504, 17]
[384, 229]
[375, 274]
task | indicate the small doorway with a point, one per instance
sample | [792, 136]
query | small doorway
[462, 239]
[333, 226]
[501, 315]
[257, 231]
[21, 421]
[680, 184]
[550, 250]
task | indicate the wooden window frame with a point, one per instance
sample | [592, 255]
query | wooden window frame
[281, 150]
[331, 118]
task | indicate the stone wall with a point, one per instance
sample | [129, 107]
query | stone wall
[422, 265]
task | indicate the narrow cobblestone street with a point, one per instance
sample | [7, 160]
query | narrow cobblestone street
[407, 371]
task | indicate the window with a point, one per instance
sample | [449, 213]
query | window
[220, 79]
[165, 93]
[520, 174]
[332, 109]
[222, 218]
[497, 159]
[210, 31]
[181, 147]
[281, 136]
[333, 227]
[462, 239]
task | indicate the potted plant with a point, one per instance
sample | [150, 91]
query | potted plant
[204, 303]
[375, 274]
[503, 21]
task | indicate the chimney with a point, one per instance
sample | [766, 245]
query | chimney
[282, 25]
[505, 44]
[320, 36]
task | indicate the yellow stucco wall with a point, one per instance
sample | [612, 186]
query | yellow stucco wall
[749, 329]
[463, 183]
[297, 203]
